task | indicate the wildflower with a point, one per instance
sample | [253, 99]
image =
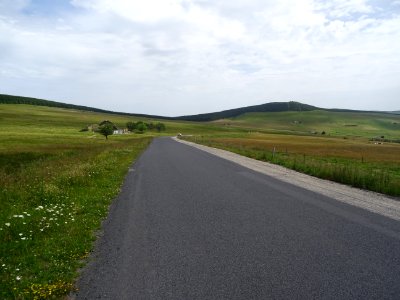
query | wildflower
[21, 234]
[18, 278]
[8, 224]
[23, 238]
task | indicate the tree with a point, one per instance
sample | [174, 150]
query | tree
[131, 126]
[160, 126]
[141, 127]
[150, 125]
[106, 129]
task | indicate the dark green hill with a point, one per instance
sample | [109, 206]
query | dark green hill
[291, 106]
[267, 107]
[9, 99]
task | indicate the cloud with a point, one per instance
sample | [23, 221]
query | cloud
[13, 6]
[345, 8]
[149, 11]
[174, 57]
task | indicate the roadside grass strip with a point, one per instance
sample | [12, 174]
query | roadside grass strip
[52, 202]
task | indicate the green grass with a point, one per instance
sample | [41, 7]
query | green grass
[56, 186]
[50, 206]
[368, 125]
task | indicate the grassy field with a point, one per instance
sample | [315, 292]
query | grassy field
[359, 149]
[56, 186]
[351, 124]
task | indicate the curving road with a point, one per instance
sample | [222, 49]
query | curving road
[190, 225]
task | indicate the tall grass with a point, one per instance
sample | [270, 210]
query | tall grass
[52, 201]
[382, 177]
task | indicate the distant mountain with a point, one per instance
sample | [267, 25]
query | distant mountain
[225, 114]
[267, 107]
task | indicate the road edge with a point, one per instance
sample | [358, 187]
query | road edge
[371, 201]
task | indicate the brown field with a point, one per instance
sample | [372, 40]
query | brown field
[353, 161]
[319, 146]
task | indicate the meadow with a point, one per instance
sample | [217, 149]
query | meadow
[337, 124]
[56, 186]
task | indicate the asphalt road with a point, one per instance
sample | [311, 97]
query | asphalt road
[189, 225]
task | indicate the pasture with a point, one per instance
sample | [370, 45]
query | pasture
[57, 184]
[339, 124]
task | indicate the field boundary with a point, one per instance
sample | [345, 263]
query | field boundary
[371, 201]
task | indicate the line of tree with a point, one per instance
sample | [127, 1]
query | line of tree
[141, 126]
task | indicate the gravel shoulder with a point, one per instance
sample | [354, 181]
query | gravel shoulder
[373, 202]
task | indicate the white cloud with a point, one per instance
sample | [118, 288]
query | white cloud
[138, 11]
[195, 56]
[345, 8]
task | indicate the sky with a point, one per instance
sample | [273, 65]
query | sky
[181, 57]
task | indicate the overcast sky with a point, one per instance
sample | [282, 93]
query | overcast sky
[176, 57]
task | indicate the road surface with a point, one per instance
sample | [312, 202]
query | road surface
[190, 225]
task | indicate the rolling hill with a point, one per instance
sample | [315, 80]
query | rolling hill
[279, 117]
[10, 99]
[291, 106]
[321, 122]
[267, 107]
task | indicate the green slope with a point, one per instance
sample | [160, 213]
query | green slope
[267, 107]
[10, 99]
[22, 124]
[362, 124]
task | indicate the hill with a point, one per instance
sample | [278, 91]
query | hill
[9, 99]
[272, 107]
[333, 123]
[267, 107]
